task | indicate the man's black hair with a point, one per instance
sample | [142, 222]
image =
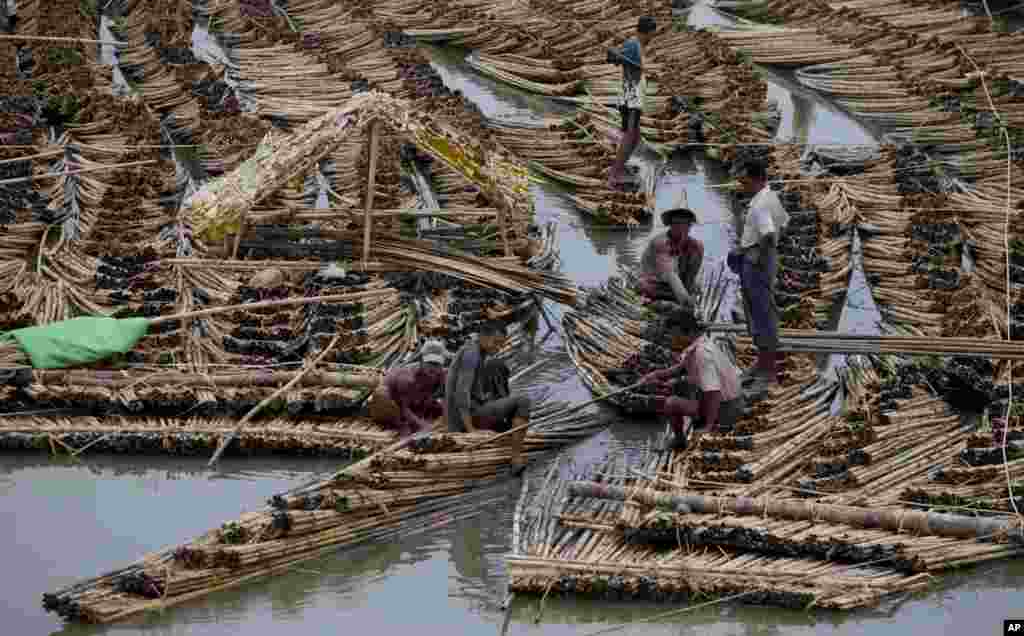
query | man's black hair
[646, 24]
[493, 329]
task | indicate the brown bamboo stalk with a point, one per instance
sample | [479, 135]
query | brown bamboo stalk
[371, 181]
[270, 398]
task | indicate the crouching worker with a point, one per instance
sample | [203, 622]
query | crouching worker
[478, 395]
[705, 367]
[406, 401]
[671, 261]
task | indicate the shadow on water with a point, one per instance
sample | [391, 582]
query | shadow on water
[63, 522]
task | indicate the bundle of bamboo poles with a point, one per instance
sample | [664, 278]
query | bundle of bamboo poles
[368, 499]
[623, 529]
[75, 434]
[400, 254]
[558, 552]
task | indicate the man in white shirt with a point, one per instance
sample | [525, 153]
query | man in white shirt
[757, 264]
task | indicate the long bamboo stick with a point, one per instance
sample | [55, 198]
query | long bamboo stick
[330, 298]
[246, 378]
[371, 182]
[270, 398]
[925, 523]
[57, 175]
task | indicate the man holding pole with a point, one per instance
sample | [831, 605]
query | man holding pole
[757, 264]
[478, 395]
[633, 93]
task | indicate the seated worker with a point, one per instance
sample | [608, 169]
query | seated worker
[478, 395]
[406, 400]
[708, 369]
[671, 261]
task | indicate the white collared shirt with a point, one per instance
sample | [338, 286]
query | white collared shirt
[765, 215]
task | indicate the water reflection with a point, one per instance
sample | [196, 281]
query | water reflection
[495, 99]
[388, 586]
[809, 118]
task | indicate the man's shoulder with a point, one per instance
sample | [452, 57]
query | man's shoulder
[631, 45]
[400, 374]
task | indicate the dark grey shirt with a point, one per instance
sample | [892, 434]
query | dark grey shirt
[462, 390]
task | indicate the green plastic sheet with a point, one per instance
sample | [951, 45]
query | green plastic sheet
[78, 341]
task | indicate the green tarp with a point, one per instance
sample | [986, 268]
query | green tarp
[78, 341]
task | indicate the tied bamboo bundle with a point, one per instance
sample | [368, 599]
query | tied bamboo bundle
[371, 498]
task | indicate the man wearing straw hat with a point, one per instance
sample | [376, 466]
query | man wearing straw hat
[756, 262]
[707, 369]
[405, 400]
[671, 261]
[633, 93]
[478, 395]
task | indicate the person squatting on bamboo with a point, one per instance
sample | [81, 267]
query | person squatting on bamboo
[632, 95]
[478, 395]
[710, 374]
[757, 264]
[671, 261]
[407, 400]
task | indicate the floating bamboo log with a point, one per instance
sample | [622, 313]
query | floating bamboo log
[923, 523]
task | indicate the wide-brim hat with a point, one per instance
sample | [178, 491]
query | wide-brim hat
[684, 215]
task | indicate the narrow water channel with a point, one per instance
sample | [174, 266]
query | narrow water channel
[60, 522]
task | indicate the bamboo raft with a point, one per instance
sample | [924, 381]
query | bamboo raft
[809, 509]
[395, 486]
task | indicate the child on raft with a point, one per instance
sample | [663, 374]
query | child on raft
[632, 95]
[710, 374]
[757, 264]
[671, 260]
[406, 400]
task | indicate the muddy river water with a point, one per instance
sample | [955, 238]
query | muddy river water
[62, 521]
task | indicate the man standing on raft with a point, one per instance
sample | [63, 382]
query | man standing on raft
[757, 264]
[634, 91]
[478, 395]
[671, 261]
[704, 366]
[405, 401]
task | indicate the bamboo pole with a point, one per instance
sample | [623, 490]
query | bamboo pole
[41, 38]
[41, 155]
[370, 186]
[256, 377]
[924, 523]
[48, 175]
[332, 298]
[267, 400]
